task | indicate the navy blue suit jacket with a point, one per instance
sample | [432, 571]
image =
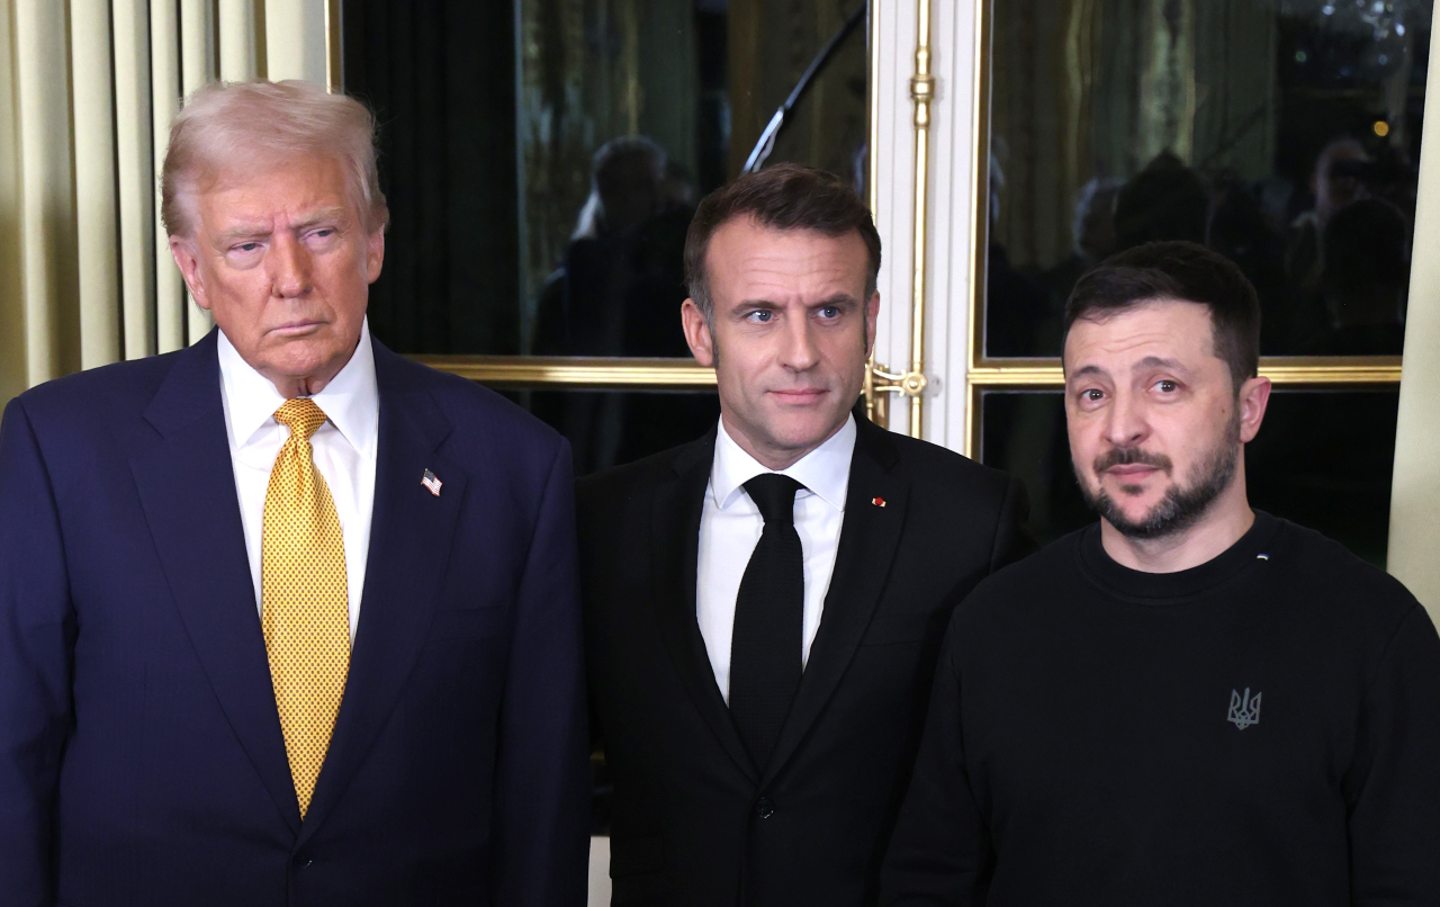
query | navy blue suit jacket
[141, 758]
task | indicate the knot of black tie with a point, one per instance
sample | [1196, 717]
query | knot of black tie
[774, 494]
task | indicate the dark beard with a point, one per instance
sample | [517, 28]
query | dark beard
[1181, 506]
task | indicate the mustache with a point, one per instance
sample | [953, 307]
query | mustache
[1130, 456]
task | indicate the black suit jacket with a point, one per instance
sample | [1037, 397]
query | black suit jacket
[694, 821]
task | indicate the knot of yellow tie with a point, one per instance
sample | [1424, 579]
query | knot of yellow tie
[301, 416]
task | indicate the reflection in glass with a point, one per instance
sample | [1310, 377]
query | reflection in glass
[1282, 133]
[542, 157]
[620, 279]
[1322, 459]
[607, 428]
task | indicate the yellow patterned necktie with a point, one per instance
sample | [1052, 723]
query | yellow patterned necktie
[304, 607]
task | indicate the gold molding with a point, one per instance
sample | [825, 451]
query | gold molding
[1332, 371]
[880, 381]
[980, 198]
[595, 372]
[1017, 375]
[922, 92]
[979, 220]
[1283, 371]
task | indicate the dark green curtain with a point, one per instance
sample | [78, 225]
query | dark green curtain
[440, 75]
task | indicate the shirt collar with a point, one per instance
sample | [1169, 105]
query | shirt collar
[351, 400]
[824, 471]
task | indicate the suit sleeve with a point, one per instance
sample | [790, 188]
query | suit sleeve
[542, 785]
[1011, 542]
[1394, 786]
[36, 638]
[940, 853]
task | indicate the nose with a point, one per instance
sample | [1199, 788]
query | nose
[289, 264]
[799, 353]
[1125, 422]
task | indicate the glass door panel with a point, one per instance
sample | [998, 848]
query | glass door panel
[1282, 133]
[542, 159]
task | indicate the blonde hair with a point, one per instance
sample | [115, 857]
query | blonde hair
[233, 124]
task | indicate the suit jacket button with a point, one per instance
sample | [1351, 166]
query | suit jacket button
[764, 808]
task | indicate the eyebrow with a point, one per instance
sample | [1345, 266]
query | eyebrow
[257, 228]
[1158, 362]
[241, 231]
[1085, 372]
[320, 215]
[843, 300]
[1148, 362]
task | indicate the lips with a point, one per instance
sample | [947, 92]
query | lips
[800, 395]
[1133, 470]
[296, 327]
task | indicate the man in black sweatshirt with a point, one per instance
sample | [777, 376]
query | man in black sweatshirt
[1191, 702]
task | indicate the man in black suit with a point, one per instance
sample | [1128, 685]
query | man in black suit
[764, 605]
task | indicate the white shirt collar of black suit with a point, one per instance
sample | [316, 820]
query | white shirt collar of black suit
[824, 471]
[730, 526]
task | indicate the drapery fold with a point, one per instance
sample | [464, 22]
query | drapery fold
[1415, 492]
[88, 89]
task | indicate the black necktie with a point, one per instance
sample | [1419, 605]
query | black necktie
[765, 649]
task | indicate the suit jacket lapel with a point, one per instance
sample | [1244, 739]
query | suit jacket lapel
[410, 546]
[675, 528]
[869, 538]
[187, 490]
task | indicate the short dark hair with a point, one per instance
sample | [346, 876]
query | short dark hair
[782, 197]
[1184, 271]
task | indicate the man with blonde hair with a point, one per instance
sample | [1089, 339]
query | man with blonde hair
[284, 618]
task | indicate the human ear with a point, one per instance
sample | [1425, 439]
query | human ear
[187, 260]
[374, 255]
[872, 312]
[697, 333]
[1254, 396]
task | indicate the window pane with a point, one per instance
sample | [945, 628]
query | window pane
[542, 157]
[1282, 133]
[1322, 458]
[607, 428]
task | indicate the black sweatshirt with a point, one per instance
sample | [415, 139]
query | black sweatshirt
[1261, 729]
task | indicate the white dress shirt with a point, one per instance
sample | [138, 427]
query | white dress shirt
[730, 527]
[344, 449]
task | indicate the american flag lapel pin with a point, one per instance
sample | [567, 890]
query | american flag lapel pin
[431, 482]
